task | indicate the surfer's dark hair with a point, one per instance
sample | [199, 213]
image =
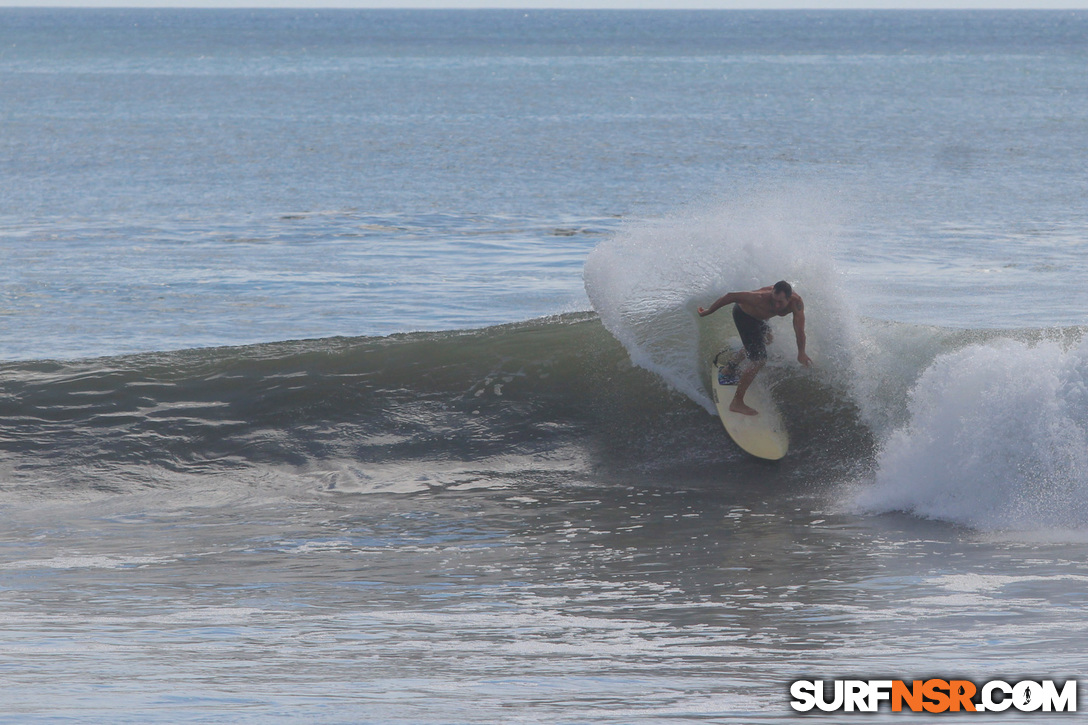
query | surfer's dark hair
[784, 288]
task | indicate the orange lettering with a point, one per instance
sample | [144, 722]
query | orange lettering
[913, 696]
[962, 691]
[935, 691]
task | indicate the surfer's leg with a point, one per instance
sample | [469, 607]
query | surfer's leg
[738, 405]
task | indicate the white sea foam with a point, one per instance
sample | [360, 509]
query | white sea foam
[997, 439]
[649, 279]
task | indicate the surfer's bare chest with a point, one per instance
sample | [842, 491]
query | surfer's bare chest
[765, 312]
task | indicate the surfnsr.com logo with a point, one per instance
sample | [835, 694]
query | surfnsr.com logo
[934, 695]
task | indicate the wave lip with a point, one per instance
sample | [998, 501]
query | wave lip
[997, 440]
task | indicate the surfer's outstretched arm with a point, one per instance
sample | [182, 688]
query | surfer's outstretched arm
[720, 303]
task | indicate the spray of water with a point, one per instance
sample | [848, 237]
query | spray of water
[648, 280]
[991, 434]
[997, 439]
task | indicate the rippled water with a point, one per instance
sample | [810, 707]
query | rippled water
[503, 519]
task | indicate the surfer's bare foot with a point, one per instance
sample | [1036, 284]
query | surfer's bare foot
[742, 409]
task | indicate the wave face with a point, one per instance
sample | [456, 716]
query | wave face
[552, 397]
[983, 428]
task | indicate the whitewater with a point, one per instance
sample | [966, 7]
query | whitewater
[350, 369]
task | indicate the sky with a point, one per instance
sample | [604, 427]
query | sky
[574, 4]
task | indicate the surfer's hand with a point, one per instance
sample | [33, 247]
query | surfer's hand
[702, 312]
[804, 359]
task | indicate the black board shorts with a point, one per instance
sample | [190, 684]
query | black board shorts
[753, 333]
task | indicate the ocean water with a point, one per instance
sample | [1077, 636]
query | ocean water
[351, 374]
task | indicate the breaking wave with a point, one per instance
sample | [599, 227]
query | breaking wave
[984, 428]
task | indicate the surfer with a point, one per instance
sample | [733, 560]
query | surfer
[750, 313]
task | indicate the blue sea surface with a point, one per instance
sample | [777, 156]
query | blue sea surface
[194, 178]
[350, 370]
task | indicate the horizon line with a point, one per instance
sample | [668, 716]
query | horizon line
[571, 5]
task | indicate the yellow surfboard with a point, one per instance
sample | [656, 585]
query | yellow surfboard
[763, 435]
